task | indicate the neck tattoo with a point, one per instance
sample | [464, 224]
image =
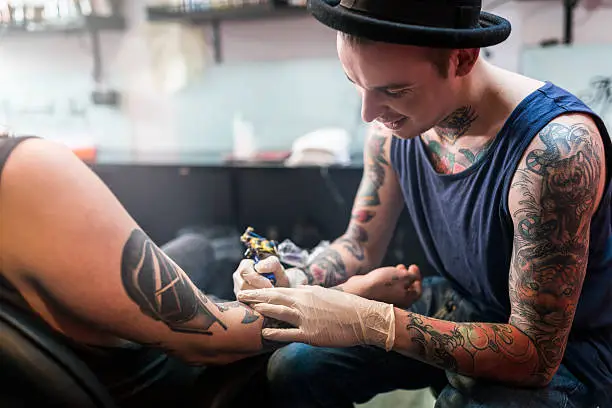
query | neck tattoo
[456, 124]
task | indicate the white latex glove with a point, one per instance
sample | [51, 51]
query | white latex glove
[247, 276]
[324, 317]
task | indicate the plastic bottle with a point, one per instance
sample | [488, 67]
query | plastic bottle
[244, 138]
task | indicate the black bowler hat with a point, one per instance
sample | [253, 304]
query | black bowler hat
[425, 23]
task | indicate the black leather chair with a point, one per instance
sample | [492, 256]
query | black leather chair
[37, 370]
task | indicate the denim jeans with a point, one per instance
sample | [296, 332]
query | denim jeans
[302, 376]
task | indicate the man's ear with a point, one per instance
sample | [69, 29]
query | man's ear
[465, 59]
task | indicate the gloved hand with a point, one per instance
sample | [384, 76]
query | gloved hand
[324, 317]
[248, 274]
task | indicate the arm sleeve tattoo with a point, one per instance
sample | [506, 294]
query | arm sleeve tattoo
[347, 256]
[163, 291]
[554, 195]
[249, 315]
[558, 188]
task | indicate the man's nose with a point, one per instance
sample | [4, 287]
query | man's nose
[371, 106]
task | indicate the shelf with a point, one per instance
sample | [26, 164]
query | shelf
[230, 13]
[214, 16]
[105, 23]
[18, 29]
[76, 26]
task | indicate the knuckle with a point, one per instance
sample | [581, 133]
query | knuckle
[245, 263]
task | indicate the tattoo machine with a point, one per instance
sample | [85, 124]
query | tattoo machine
[259, 248]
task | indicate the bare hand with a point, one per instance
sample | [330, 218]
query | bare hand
[248, 274]
[393, 284]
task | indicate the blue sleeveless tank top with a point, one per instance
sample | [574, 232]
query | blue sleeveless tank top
[466, 230]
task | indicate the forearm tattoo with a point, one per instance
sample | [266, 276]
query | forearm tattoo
[353, 241]
[459, 347]
[162, 290]
[368, 194]
[559, 187]
[249, 315]
[330, 267]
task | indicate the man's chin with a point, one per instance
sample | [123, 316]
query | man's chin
[405, 134]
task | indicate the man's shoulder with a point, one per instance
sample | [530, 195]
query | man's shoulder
[564, 137]
[564, 162]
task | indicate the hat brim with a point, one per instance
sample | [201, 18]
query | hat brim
[491, 30]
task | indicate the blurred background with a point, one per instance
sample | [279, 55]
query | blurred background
[172, 80]
[236, 112]
[208, 116]
[218, 114]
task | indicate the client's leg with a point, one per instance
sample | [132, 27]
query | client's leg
[302, 376]
[564, 391]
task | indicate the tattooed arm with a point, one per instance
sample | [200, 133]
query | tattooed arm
[554, 194]
[85, 266]
[375, 211]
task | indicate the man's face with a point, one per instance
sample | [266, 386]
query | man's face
[400, 86]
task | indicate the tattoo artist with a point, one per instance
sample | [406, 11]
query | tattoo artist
[507, 180]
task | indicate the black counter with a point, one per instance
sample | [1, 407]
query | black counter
[278, 201]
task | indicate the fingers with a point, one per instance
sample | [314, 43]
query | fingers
[413, 269]
[246, 277]
[246, 286]
[409, 275]
[418, 288]
[277, 296]
[245, 264]
[415, 285]
[254, 279]
[270, 265]
[412, 275]
[250, 272]
[278, 312]
[284, 335]
[239, 283]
